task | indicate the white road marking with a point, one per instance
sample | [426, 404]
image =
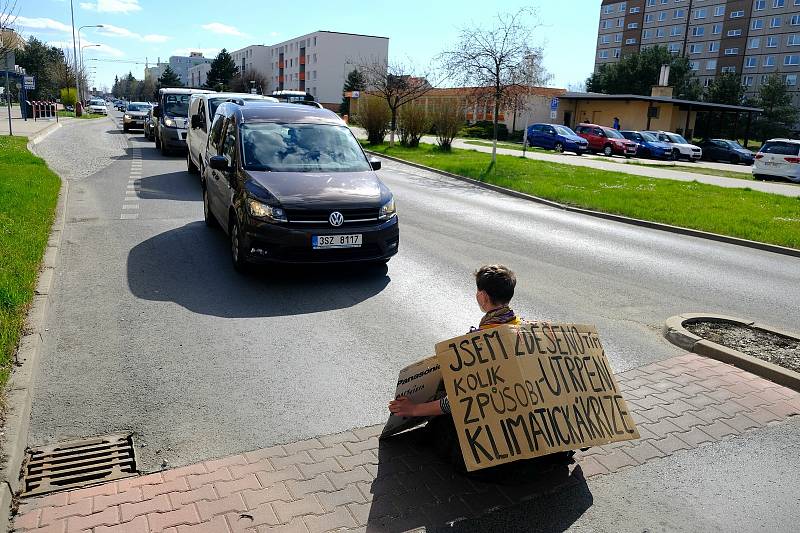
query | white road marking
[129, 216]
[130, 206]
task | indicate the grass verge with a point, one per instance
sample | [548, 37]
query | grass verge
[28, 196]
[744, 174]
[71, 114]
[742, 213]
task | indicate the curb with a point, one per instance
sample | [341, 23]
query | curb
[774, 248]
[680, 336]
[19, 390]
[39, 137]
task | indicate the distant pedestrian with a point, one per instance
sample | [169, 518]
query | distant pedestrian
[616, 123]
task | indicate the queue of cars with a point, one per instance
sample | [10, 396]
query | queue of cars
[284, 178]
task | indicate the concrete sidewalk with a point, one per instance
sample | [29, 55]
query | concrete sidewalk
[352, 481]
[618, 165]
[27, 128]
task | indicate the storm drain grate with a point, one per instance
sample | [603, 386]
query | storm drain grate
[78, 463]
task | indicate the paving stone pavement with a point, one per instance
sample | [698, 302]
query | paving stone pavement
[352, 481]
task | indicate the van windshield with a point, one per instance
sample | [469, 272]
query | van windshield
[176, 105]
[281, 147]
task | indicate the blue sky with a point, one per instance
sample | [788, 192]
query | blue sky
[136, 30]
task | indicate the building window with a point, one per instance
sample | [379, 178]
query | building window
[792, 60]
[755, 42]
[662, 16]
[769, 61]
[731, 51]
[707, 82]
[728, 70]
[616, 53]
[791, 79]
[778, 3]
[719, 11]
[795, 20]
[664, 2]
[679, 14]
[717, 29]
[751, 62]
[747, 81]
[772, 42]
[775, 22]
[700, 13]
[757, 24]
[633, 25]
[617, 39]
[635, 9]
[647, 34]
[760, 5]
[696, 48]
[602, 54]
[675, 31]
[711, 64]
[651, 3]
[734, 33]
[713, 47]
[648, 18]
[674, 48]
[620, 22]
[630, 41]
[737, 14]
[660, 32]
[793, 40]
[622, 7]
[605, 39]
[698, 31]
[607, 10]
[694, 65]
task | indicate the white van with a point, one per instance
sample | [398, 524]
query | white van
[201, 113]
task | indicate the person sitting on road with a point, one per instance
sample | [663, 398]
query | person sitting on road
[495, 284]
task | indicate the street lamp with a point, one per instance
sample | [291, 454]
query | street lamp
[86, 46]
[80, 48]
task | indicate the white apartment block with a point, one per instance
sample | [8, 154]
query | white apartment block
[181, 64]
[316, 62]
[198, 75]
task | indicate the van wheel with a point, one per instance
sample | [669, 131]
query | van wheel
[559, 148]
[208, 216]
[157, 139]
[164, 150]
[238, 253]
[607, 151]
[190, 166]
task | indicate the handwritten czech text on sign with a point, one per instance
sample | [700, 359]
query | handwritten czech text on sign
[519, 392]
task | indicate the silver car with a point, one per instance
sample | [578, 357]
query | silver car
[135, 115]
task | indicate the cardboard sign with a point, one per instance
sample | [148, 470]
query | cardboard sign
[422, 382]
[518, 392]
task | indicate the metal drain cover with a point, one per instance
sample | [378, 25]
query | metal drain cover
[78, 463]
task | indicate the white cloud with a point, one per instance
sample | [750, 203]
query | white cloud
[112, 6]
[222, 29]
[42, 24]
[115, 31]
[102, 49]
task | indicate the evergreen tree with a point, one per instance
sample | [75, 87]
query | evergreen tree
[355, 81]
[169, 79]
[222, 71]
[779, 115]
[726, 89]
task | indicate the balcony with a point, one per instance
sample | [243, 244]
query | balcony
[280, 78]
[281, 64]
[302, 76]
[303, 60]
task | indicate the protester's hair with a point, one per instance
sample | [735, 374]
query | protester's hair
[497, 281]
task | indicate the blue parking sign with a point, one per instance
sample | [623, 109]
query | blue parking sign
[554, 104]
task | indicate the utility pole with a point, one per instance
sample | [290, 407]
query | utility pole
[75, 62]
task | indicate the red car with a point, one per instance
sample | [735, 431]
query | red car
[606, 140]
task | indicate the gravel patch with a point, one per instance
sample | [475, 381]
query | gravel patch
[82, 148]
[764, 345]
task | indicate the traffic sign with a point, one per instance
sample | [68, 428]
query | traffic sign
[30, 82]
[553, 104]
[553, 114]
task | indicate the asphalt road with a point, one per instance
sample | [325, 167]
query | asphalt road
[151, 330]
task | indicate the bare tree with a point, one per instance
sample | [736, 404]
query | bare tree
[373, 116]
[414, 123]
[495, 58]
[448, 119]
[242, 82]
[397, 85]
[9, 39]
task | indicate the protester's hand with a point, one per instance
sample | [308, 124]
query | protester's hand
[402, 406]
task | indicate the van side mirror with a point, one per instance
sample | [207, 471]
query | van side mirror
[218, 162]
[157, 112]
[376, 164]
[196, 121]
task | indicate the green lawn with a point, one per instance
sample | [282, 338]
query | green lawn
[28, 196]
[740, 213]
[71, 114]
[744, 174]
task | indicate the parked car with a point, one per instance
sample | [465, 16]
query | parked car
[202, 108]
[173, 118]
[647, 145]
[686, 150]
[555, 137]
[120, 105]
[606, 140]
[135, 115]
[149, 124]
[97, 106]
[778, 158]
[726, 150]
[290, 183]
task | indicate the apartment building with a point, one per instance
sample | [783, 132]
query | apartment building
[198, 75]
[753, 38]
[181, 65]
[317, 62]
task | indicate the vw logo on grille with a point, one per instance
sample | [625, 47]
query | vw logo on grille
[336, 219]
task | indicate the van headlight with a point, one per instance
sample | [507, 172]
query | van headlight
[168, 122]
[387, 211]
[265, 212]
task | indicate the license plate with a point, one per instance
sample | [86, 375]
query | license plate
[321, 242]
[770, 164]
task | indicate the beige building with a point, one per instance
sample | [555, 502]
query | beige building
[754, 38]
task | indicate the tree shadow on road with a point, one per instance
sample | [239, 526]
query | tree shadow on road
[179, 186]
[191, 266]
[414, 489]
